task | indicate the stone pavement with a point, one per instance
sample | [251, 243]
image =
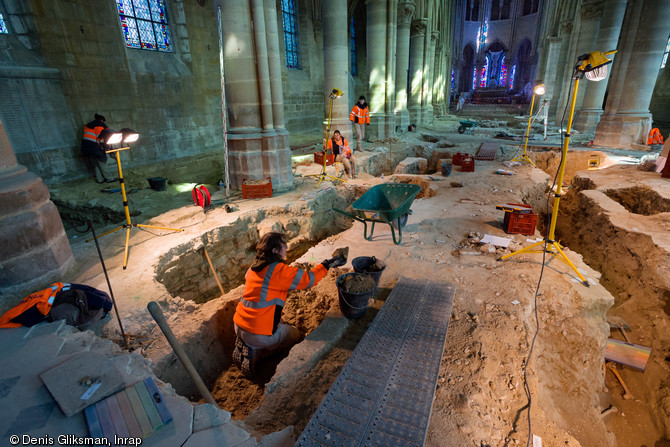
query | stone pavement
[27, 408]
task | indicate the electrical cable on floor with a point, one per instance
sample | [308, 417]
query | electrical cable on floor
[526, 387]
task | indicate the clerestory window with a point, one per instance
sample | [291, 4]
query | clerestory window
[291, 42]
[144, 24]
[352, 48]
[665, 55]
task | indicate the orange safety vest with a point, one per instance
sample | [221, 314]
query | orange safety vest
[655, 137]
[358, 115]
[343, 148]
[42, 300]
[267, 289]
[91, 133]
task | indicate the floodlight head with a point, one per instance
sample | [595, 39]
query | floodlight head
[129, 135]
[110, 137]
[539, 89]
[336, 93]
[594, 65]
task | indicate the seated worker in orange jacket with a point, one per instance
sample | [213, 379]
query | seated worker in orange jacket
[257, 319]
[342, 151]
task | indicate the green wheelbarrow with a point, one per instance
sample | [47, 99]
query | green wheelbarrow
[466, 125]
[387, 203]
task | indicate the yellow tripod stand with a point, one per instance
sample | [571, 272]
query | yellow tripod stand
[336, 93]
[539, 90]
[128, 225]
[550, 245]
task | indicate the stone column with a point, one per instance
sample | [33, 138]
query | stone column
[588, 117]
[405, 14]
[426, 89]
[553, 50]
[438, 81]
[560, 83]
[417, 42]
[34, 249]
[335, 66]
[429, 95]
[627, 120]
[272, 42]
[256, 150]
[381, 121]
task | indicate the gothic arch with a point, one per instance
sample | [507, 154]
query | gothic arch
[468, 56]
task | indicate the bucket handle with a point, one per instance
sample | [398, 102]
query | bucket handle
[358, 308]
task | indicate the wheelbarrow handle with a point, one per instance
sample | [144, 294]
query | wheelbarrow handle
[347, 214]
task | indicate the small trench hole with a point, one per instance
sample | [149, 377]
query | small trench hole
[640, 200]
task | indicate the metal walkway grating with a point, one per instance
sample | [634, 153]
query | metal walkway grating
[384, 393]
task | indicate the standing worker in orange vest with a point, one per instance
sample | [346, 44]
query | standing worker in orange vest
[257, 319]
[360, 115]
[92, 150]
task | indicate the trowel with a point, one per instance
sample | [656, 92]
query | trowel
[341, 253]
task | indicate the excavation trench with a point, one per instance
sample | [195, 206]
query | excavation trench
[291, 382]
[618, 230]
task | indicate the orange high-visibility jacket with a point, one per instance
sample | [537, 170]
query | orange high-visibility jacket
[265, 293]
[655, 137]
[42, 300]
[360, 116]
[91, 133]
[343, 148]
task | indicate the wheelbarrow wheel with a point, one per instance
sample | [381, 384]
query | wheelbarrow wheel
[461, 129]
[403, 221]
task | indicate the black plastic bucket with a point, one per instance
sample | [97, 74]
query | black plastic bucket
[157, 183]
[352, 305]
[446, 169]
[362, 263]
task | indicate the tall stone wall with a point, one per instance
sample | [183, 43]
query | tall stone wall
[171, 99]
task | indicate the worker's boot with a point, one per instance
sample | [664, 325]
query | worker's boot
[249, 362]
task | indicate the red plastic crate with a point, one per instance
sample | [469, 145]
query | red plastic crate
[467, 164]
[456, 158]
[318, 158]
[257, 191]
[520, 223]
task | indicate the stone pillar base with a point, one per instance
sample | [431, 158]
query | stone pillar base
[427, 115]
[415, 116]
[34, 249]
[258, 155]
[623, 131]
[586, 120]
[403, 120]
[382, 125]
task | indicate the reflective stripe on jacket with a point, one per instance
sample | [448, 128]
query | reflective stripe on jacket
[265, 293]
[42, 300]
[655, 137]
[358, 115]
[91, 133]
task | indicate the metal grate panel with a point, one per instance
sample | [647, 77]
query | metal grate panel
[384, 393]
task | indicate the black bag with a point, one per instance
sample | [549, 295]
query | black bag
[80, 306]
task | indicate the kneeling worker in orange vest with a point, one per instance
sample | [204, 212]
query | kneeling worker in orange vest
[257, 320]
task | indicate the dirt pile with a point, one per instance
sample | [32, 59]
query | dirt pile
[426, 189]
[358, 283]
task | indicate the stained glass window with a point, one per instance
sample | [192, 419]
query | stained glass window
[665, 55]
[511, 78]
[3, 27]
[474, 78]
[503, 72]
[144, 24]
[485, 72]
[451, 88]
[291, 42]
[352, 48]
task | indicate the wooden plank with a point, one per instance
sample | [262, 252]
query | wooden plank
[138, 409]
[105, 420]
[93, 422]
[120, 428]
[149, 407]
[134, 430]
[157, 397]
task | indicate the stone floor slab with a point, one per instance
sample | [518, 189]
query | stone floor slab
[208, 416]
[223, 435]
